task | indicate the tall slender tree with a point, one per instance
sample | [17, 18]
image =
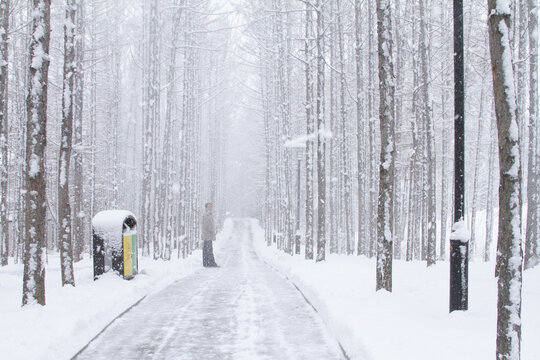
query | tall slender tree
[4, 29]
[79, 216]
[36, 141]
[347, 212]
[427, 120]
[490, 188]
[385, 224]
[360, 143]
[321, 134]
[510, 257]
[167, 162]
[64, 159]
[532, 245]
[310, 128]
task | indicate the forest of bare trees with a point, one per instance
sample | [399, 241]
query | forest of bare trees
[331, 120]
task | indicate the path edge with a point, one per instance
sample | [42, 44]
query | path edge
[306, 299]
[107, 326]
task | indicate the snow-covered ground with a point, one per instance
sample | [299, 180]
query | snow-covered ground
[413, 321]
[73, 316]
[242, 310]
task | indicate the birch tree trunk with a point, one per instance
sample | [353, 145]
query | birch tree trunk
[36, 141]
[4, 29]
[64, 159]
[532, 246]
[387, 161]
[511, 256]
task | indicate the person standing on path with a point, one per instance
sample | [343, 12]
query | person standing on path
[208, 235]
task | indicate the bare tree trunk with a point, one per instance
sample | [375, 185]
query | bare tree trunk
[491, 188]
[167, 162]
[36, 141]
[332, 149]
[154, 112]
[93, 114]
[399, 178]
[321, 136]
[265, 98]
[183, 138]
[430, 184]
[284, 106]
[511, 256]
[310, 123]
[444, 181]
[445, 173]
[4, 29]
[78, 98]
[472, 243]
[387, 160]
[345, 161]
[149, 105]
[409, 256]
[419, 151]
[360, 129]
[372, 141]
[116, 182]
[64, 159]
[532, 246]
[520, 28]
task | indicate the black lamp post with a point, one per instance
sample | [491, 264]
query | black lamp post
[459, 239]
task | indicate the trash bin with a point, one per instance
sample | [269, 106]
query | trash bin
[114, 243]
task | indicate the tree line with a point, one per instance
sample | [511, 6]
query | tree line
[111, 114]
[364, 89]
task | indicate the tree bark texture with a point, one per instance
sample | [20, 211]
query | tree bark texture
[64, 159]
[4, 28]
[360, 129]
[532, 246]
[510, 257]
[310, 128]
[36, 141]
[387, 160]
[79, 216]
[321, 136]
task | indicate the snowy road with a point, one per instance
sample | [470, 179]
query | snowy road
[243, 310]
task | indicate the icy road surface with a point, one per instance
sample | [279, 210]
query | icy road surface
[242, 310]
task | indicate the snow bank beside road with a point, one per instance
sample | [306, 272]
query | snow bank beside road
[412, 322]
[73, 316]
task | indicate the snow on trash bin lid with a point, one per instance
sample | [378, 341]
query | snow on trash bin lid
[108, 225]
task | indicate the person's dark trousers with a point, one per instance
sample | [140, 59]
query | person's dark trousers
[208, 254]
